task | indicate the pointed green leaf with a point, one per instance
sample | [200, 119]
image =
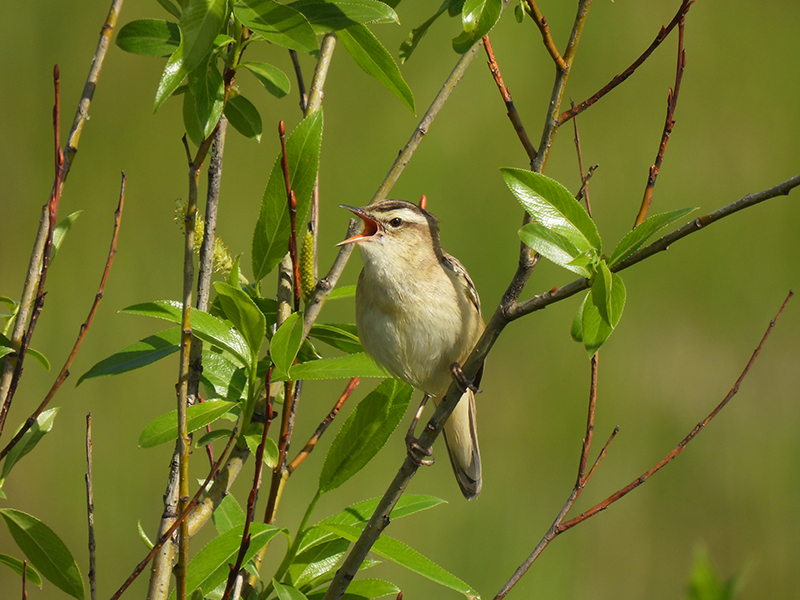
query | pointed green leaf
[244, 117]
[272, 78]
[205, 102]
[228, 515]
[164, 428]
[343, 336]
[286, 343]
[576, 331]
[61, 230]
[287, 592]
[210, 567]
[200, 24]
[212, 436]
[207, 327]
[149, 37]
[331, 16]
[636, 237]
[170, 8]
[277, 23]
[410, 43]
[174, 73]
[341, 367]
[45, 551]
[364, 433]
[270, 448]
[222, 378]
[143, 536]
[403, 555]
[39, 357]
[553, 246]
[240, 310]
[143, 352]
[271, 235]
[552, 205]
[362, 589]
[316, 562]
[376, 61]
[17, 566]
[345, 291]
[478, 17]
[42, 425]
[601, 292]
[595, 330]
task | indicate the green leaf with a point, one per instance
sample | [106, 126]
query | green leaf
[143, 536]
[45, 551]
[61, 231]
[362, 589]
[144, 352]
[222, 378]
[315, 563]
[359, 514]
[287, 592]
[376, 61]
[174, 73]
[271, 235]
[576, 331]
[244, 117]
[150, 37]
[478, 17]
[164, 428]
[595, 330]
[209, 568]
[345, 291]
[364, 432]
[170, 8]
[706, 584]
[212, 436]
[240, 310]
[42, 425]
[286, 343]
[341, 367]
[17, 566]
[39, 357]
[228, 515]
[398, 552]
[636, 238]
[553, 246]
[331, 16]
[343, 336]
[277, 23]
[200, 23]
[601, 292]
[270, 448]
[207, 327]
[410, 43]
[552, 205]
[202, 107]
[272, 78]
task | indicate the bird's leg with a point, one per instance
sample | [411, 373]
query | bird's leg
[417, 453]
[461, 380]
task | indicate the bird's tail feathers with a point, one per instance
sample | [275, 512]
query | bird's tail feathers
[461, 437]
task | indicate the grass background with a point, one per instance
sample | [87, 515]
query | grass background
[693, 316]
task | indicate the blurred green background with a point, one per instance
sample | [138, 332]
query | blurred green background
[693, 316]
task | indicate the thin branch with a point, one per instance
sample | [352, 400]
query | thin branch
[64, 373]
[301, 86]
[178, 521]
[584, 191]
[24, 579]
[312, 442]
[547, 39]
[315, 94]
[511, 110]
[669, 123]
[90, 508]
[662, 35]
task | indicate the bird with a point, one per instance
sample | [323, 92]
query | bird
[418, 313]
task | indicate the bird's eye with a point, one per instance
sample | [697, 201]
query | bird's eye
[396, 222]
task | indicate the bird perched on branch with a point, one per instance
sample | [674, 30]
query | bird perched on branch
[418, 313]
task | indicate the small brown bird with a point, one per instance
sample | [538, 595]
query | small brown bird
[417, 313]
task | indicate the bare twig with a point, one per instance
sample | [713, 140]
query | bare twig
[315, 93]
[662, 35]
[669, 123]
[511, 110]
[584, 191]
[541, 23]
[24, 579]
[90, 508]
[64, 373]
[301, 86]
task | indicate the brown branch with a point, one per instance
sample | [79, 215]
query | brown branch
[512, 113]
[178, 521]
[64, 373]
[24, 579]
[301, 86]
[312, 442]
[584, 191]
[669, 123]
[90, 508]
[662, 35]
[541, 23]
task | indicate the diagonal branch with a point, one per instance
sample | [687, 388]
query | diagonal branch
[547, 39]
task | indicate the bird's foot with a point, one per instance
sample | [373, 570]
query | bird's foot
[422, 457]
[461, 380]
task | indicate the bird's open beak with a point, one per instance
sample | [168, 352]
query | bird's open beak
[371, 226]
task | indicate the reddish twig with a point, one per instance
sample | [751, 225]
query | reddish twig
[558, 527]
[513, 115]
[662, 35]
[584, 191]
[180, 519]
[312, 442]
[292, 201]
[669, 123]
[541, 23]
[90, 508]
[83, 331]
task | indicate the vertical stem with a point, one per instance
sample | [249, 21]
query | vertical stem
[90, 507]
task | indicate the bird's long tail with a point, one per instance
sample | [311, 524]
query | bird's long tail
[461, 437]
